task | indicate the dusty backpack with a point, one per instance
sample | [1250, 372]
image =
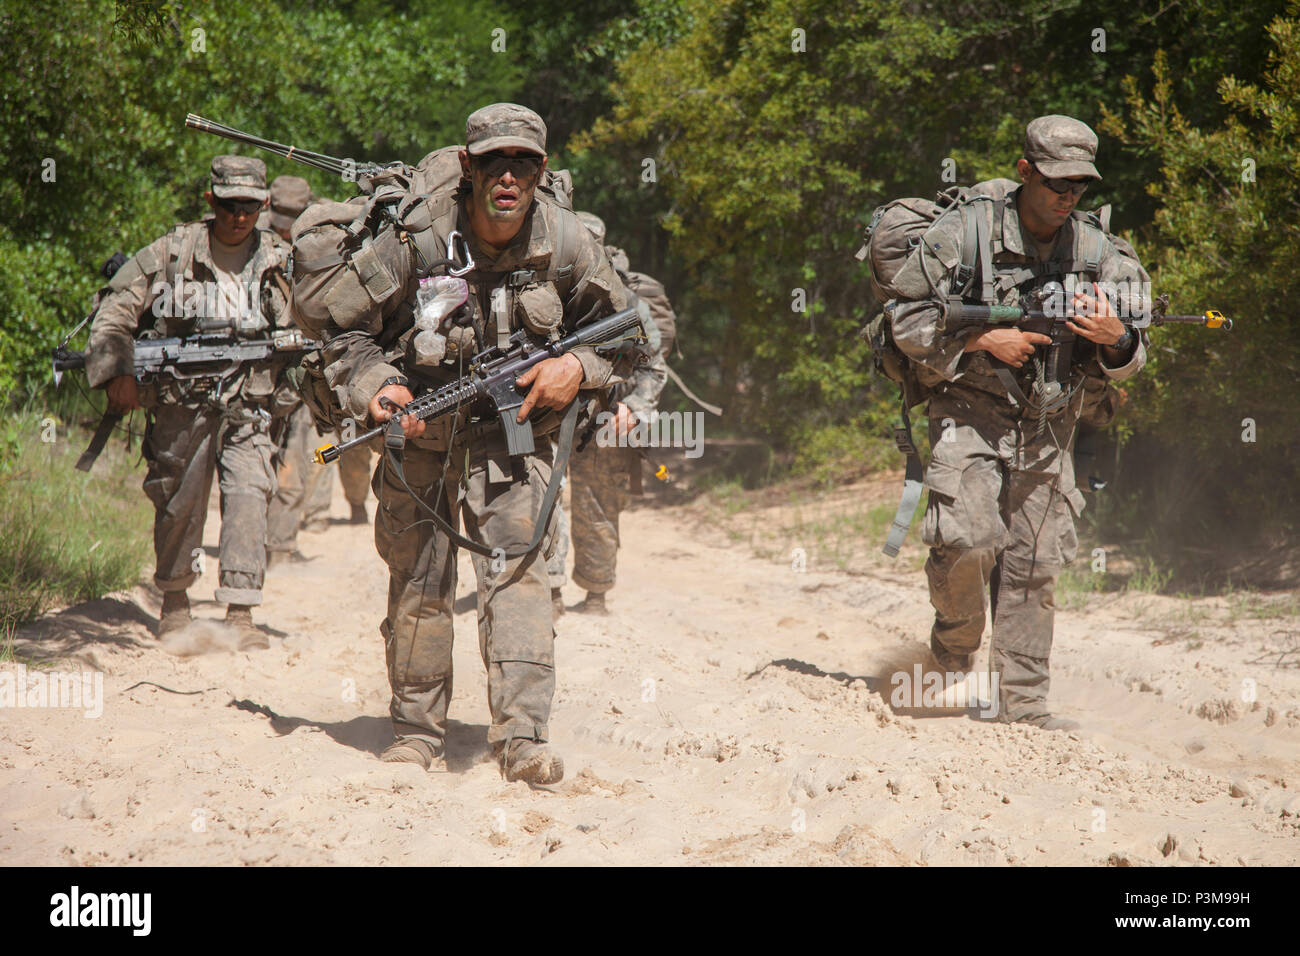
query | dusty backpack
[892, 236]
[652, 292]
[352, 263]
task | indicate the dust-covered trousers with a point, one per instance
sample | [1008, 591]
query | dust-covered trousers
[305, 486]
[1002, 533]
[598, 493]
[183, 445]
[498, 504]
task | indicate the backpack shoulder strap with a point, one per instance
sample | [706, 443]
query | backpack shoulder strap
[976, 249]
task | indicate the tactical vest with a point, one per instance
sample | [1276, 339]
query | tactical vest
[179, 268]
[998, 277]
[357, 266]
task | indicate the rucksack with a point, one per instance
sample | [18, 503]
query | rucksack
[652, 292]
[891, 238]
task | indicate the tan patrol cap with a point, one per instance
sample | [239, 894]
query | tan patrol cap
[1061, 147]
[290, 195]
[238, 177]
[502, 125]
[595, 225]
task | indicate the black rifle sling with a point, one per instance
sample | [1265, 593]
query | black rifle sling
[563, 448]
[98, 441]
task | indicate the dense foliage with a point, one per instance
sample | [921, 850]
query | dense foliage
[734, 147]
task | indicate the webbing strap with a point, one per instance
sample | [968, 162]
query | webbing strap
[986, 257]
[563, 448]
[302, 267]
[912, 483]
[98, 440]
[1013, 389]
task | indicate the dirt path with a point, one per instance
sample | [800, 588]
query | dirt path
[732, 710]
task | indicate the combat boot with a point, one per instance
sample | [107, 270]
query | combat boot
[557, 603]
[1050, 722]
[240, 617]
[950, 663]
[175, 612]
[359, 515]
[593, 603]
[531, 762]
[416, 750]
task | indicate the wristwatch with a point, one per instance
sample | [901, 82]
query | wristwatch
[1125, 341]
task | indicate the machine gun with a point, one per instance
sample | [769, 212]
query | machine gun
[208, 359]
[364, 174]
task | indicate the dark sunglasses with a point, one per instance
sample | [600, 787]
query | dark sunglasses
[495, 163]
[235, 206]
[1063, 186]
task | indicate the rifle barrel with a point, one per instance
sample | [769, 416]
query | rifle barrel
[1212, 320]
[304, 156]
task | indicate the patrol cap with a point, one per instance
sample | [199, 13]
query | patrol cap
[595, 225]
[290, 195]
[502, 125]
[1061, 147]
[238, 177]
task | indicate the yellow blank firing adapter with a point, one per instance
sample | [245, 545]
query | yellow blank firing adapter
[1214, 319]
[326, 454]
[662, 473]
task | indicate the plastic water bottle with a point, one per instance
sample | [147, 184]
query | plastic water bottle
[437, 298]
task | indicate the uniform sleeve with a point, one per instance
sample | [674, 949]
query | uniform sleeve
[647, 385]
[355, 369]
[286, 398]
[596, 292]
[923, 283]
[1125, 281]
[111, 349]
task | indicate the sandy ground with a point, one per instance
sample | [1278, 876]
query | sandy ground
[731, 710]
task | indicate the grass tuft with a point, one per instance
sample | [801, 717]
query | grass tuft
[65, 536]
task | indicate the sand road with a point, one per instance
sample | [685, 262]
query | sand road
[732, 710]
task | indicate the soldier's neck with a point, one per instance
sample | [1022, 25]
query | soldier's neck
[490, 234]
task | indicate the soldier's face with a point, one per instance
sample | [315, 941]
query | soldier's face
[233, 219]
[504, 183]
[1046, 204]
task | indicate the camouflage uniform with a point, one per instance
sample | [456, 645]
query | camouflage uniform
[188, 435]
[1002, 499]
[551, 272]
[600, 475]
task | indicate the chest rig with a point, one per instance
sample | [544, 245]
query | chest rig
[504, 300]
[1002, 276]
